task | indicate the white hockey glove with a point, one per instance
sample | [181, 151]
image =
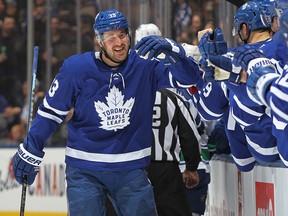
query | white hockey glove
[192, 51]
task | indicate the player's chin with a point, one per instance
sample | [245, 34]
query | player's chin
[119, 57]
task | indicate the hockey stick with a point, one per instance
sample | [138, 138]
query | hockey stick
[30, 117]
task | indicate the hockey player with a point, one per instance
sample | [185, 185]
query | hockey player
[212, 102]
[272, 9]
[253, 117]
[174, 130]
[109, 135]
[217, 104]
[269, 87]
[252, 28]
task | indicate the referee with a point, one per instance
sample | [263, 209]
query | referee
[174, 130]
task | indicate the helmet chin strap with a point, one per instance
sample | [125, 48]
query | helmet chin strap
[107, 56]
[245, 40]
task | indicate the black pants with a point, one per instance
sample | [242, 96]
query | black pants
[109, 208]
[169, 189]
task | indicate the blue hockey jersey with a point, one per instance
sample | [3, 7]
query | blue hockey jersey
[277, 99]
[111, 127]
[255, 118]
[213, 102]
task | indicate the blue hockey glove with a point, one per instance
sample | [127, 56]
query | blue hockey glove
[249, 58]
[208, 72]
[259, 81]
[26, 162]
[224, 64]
[155, 45]
[212, 43]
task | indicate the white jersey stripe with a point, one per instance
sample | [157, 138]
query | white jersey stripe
[244, 161]
[245, 108]
[108, 158]
[263, 151]
[59, 112]
[209, 111]
[49, 116]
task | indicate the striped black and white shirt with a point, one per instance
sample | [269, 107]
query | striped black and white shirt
[174, 130]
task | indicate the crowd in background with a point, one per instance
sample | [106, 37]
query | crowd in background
[188, 17]
[192, 16]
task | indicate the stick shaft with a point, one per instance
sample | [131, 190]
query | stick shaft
[32, 89]
[30, 118]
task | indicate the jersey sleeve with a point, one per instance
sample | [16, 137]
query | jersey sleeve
[182, 74]
[212, 101]
[56, 105]
[277, 97]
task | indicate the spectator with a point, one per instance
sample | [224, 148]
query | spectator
[182, 17]
[2, 10]
[11, 8]
[209, 10]
[195, 27]
[87, 36]
[184, 37]
[8, 117]
[12, 61]
[3, 122]
[61, 49]
[16, 135]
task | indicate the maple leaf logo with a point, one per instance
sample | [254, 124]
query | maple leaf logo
[115, 114]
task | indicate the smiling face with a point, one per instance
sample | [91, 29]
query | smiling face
[115, 45]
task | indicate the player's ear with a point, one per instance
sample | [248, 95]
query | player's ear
[245, 30]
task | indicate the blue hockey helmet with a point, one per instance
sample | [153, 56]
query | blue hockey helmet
[250, 14]
[268, 7]
[280, 6]
[109, 20]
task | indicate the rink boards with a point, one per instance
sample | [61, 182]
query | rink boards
[45, 197]
[260, 192]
